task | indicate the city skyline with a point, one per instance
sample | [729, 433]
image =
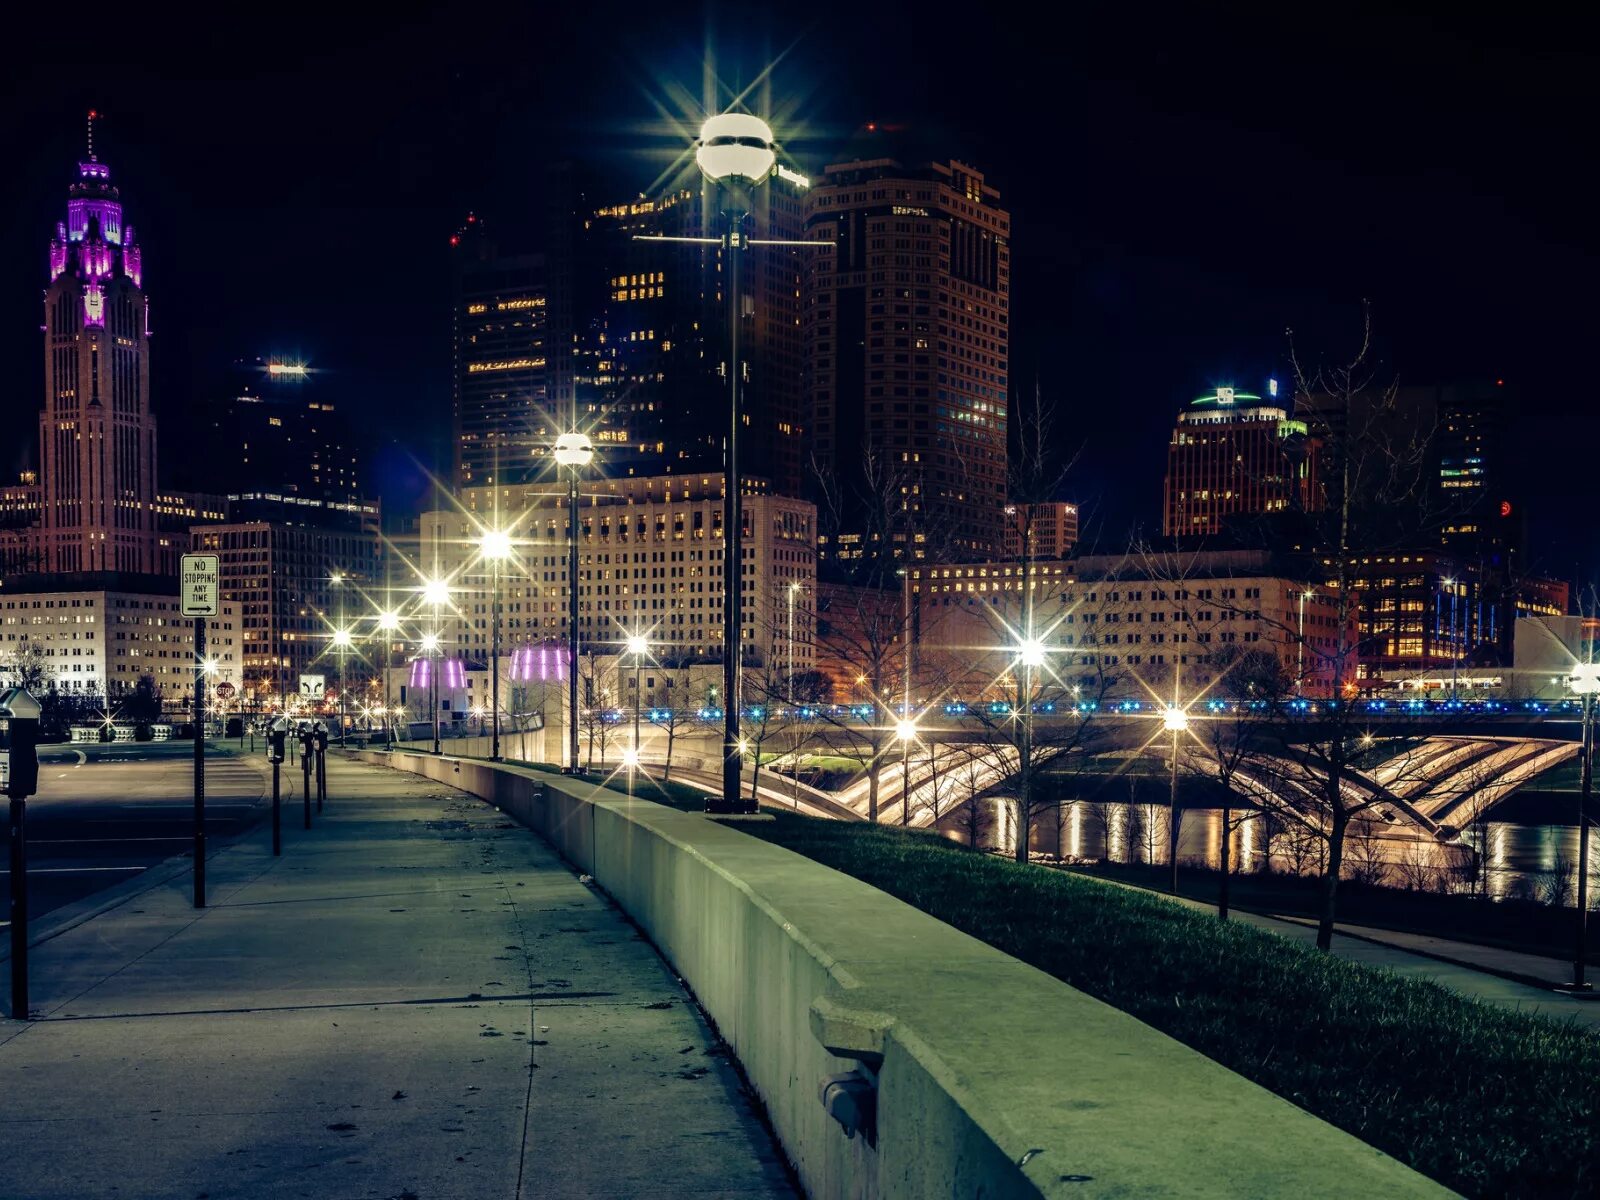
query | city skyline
[1107, 313]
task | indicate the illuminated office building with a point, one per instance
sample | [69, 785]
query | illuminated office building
[1047, 530]
[279, 430]
[1234, 453]
[629, 340]
[907, 341]
[500, 384]
[651, 344]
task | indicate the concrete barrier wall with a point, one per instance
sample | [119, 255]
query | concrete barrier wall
[993, 1078]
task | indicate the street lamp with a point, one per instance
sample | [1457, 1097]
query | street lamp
[1300, 667]
[638, 646]
[494, 545]
[430, 647]
[342, 642]
[736, 153]
[906, 732]
[388, 625]
[1176, 721]
[435, 594]
[793, 589]
[1585, 682]
[575, 452]
[1455, 646]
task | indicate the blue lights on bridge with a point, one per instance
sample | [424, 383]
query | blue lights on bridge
[1002, 708]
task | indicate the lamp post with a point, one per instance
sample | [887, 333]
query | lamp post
[793, 588]
[430, 647]
[906, 730]
[638, 646]
[388, 626]
[1585, 682]
[575, 452]
[435, 594]
[1176, 721]
[1450, 586]
[1031, 654]
[1300, 665]
[735, 152]
[342, 643]
[495, 545]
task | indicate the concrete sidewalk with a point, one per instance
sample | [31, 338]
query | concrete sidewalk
[1446, 962]
[417, 1000]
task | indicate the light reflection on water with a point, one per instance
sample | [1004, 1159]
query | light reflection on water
[1535, 862]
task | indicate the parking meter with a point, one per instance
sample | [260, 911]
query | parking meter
[277, 739]
[19, 773]
[277, 743]
[19, 739]
[319, 738]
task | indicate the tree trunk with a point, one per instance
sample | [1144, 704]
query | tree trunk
[1330, 880]
[755, 774]
[666, 775]
[872, 789]
[1222, 889]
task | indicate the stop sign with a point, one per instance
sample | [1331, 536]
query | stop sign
[226, 690]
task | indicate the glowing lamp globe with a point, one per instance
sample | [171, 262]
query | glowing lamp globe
[630, 758]
[1175, 719]
[1031, 652]
[906, 731]
[1585, 679]
[342, 639]
[436, 591]
[495, 543]
[638, 645]
[735, 146]
[574, 450]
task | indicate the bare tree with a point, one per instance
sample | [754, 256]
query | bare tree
[679, 711]
[861, 620]
[593, 711]
[29, 666]
[1375, 495]
[1228, 737]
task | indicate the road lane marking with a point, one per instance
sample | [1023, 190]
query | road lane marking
[72, 870]
[83, 841]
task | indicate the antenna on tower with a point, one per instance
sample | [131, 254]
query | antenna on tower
[92, 115]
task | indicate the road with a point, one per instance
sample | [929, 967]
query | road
[105, 813]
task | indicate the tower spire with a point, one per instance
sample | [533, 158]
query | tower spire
[92, 115]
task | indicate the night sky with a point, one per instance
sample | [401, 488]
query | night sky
[1186, 183]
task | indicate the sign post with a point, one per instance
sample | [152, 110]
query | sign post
[200, 592]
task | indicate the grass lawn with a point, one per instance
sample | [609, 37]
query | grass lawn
[1487, 1101]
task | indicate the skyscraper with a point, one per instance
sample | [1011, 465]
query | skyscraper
[1234, 453]
[907, 338]
[97, 435]
[500, 389]
[279, 430]
[651, 338]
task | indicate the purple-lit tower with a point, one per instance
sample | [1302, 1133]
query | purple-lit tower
[97, 437]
